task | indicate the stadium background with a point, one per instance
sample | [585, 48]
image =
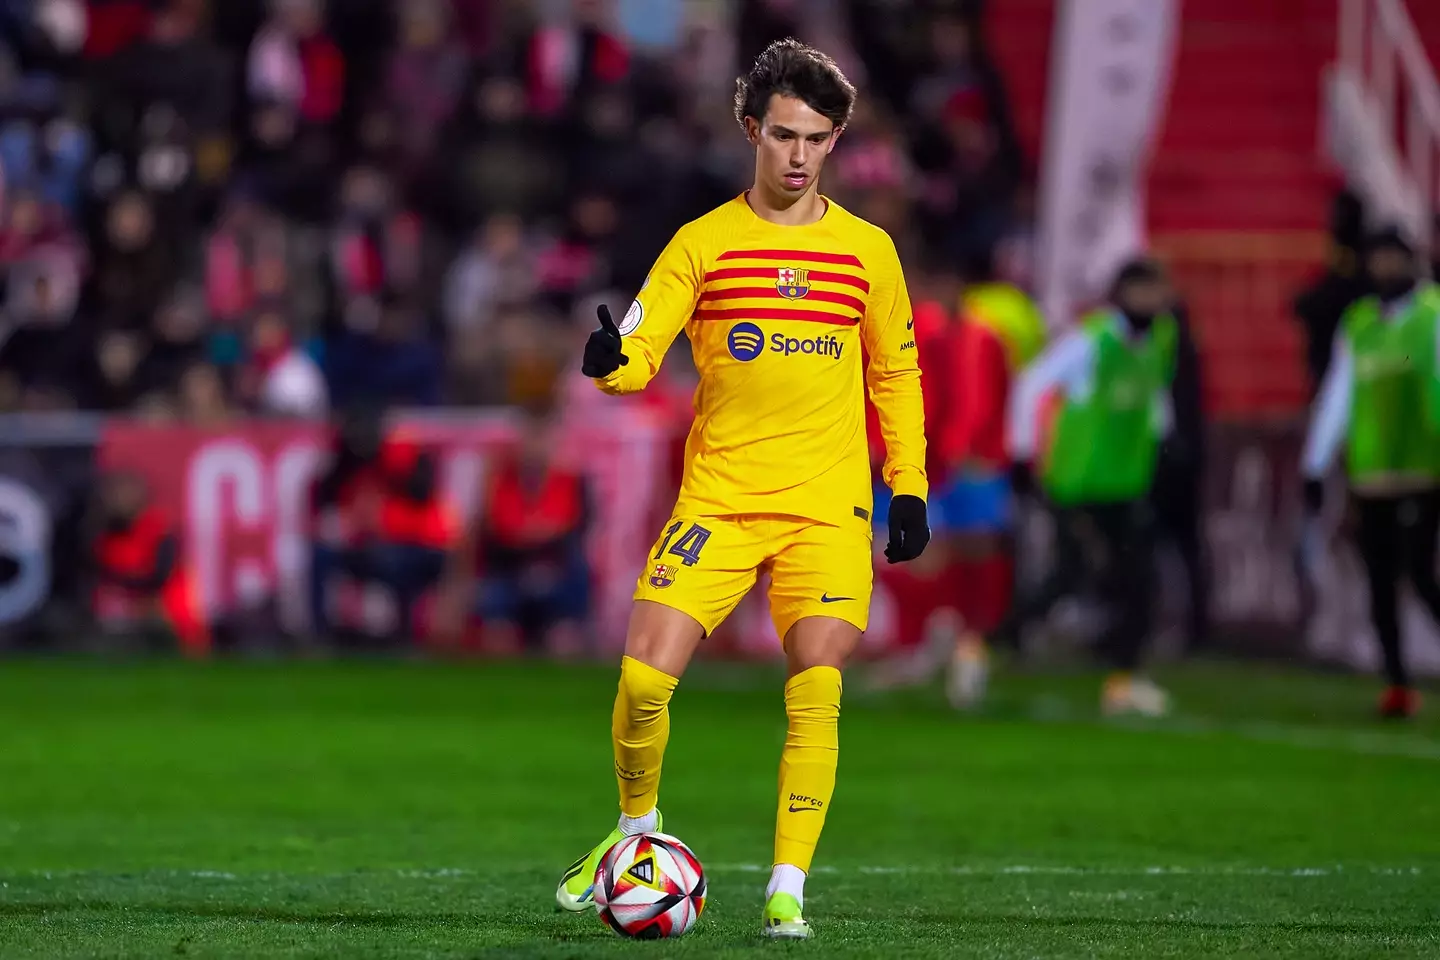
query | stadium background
[220, 219]
[426, 199]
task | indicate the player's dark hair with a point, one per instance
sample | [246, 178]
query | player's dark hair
[1389, 237]
[792, 69]
[1138, 270]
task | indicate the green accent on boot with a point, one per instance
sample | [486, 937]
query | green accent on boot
[782, 919]
[576, 892]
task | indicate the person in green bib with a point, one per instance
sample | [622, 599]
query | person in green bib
[1099, 396]
[1379, 402]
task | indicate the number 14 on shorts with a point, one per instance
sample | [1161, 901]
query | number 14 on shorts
[687, 547]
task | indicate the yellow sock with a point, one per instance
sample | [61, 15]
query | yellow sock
[640, 727]
[807, 764]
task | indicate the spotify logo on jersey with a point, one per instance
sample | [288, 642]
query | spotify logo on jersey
[746, 341]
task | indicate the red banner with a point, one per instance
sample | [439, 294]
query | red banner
[240, 496]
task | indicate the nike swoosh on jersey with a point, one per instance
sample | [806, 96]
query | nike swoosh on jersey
[795, 809]
[826, 598]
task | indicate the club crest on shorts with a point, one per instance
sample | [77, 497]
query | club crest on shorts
[662, 575]
[793, 282]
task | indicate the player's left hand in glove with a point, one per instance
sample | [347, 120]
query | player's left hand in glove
[603, 355]
[909, 529]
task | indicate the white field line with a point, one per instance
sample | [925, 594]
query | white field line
[1062, 870]
[980, 870]
[1362, 742]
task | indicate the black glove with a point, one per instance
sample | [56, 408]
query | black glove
[1022, 480]
[1313, 494]
[603, 355]
[909, 529]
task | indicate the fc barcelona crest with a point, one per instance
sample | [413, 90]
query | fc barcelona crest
[793, 282]
[662, 575]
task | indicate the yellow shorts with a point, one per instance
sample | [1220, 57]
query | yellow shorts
[704, 566]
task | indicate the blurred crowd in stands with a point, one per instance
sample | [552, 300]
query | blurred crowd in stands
[213, 210]
[289, 207]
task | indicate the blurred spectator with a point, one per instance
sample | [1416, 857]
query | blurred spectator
[967, 185]
[378, 519]
[426, 76]
[1320, 306]
[41, 261]
[874, 157]
[112, 382]
[202, 398]
[495, 158]
[244, 258]
[141, 579]
[114, 26]
[761, 22]
[157, 407]
[375, 247]
[531, 525]
[177, 340]
[176, 65]
[397, 364]
[607, 155]
[278, 378]
[1180, 473]
[134, 269]
[294, 66]
[49, 153]
[197, 197]
[577, 260]
[572, 55]
[651, 25]
[475, 25]
[515, 360]
[494, 269]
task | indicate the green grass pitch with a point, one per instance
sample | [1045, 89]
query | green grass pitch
[426, 810]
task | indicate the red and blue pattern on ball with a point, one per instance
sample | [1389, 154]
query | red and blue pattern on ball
[677, 901]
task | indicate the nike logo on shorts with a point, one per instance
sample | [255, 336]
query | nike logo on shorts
[826, 598]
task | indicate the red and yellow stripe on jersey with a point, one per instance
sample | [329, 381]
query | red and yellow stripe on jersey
[777, 317]
[804, 285]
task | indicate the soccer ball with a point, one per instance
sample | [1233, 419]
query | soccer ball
[649, 886]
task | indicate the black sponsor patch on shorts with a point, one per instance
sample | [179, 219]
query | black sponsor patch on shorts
[863, 514]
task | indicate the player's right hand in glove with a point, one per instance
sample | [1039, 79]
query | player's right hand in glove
[603, 355]
[909, 529]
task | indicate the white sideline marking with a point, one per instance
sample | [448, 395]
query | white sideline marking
[1309, 738]
[1061, 870]
[982, 870]
[1050, 710]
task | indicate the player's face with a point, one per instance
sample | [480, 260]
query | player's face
[1388, 266]
[791, 144]
[1145, 298]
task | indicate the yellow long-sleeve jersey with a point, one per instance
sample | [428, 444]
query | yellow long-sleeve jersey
[777, 317]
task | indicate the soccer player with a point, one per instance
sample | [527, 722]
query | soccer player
[1108, 385]
[1379, 399]
[1001, 332]
[778, 291]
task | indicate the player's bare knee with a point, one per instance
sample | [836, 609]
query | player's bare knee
[819, 642]
[662, 637]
